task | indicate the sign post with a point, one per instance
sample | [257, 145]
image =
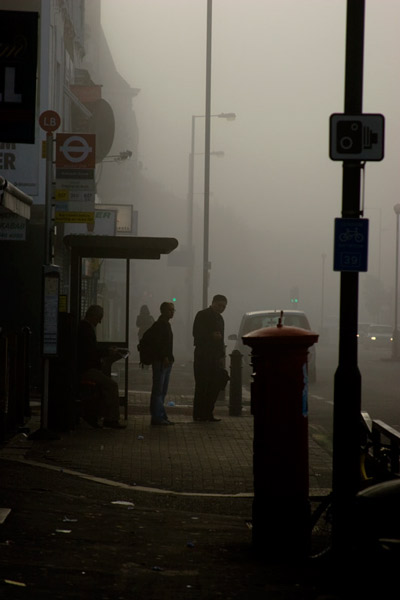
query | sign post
[49, 121]
[51, 292]
[354, 138]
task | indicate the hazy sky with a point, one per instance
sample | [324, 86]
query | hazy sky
[279, 65]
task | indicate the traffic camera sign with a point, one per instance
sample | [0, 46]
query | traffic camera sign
[356, 137]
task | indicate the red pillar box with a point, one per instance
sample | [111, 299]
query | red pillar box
[279, 401]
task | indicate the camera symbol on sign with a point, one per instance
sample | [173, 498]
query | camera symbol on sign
[356, 137]
[353, 137]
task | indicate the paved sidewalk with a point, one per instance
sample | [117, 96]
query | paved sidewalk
[183, 525]
[190, 457]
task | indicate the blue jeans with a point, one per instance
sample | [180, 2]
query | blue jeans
[159, 391]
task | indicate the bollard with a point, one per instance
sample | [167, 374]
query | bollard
[235, 385]
[281, 507]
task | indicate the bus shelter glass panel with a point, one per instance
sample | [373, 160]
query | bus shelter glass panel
[104, 282]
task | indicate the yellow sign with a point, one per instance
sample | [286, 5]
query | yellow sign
[62, 303]
[73, 217]
[62, 195]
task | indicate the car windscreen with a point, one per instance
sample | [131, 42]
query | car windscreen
[380, 329]
[363, 328]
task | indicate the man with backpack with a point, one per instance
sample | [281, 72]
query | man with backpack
[158, 341]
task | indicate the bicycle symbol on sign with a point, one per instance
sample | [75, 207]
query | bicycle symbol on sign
[351, 235]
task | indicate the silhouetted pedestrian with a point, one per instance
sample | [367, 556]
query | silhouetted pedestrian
[144, 320]
[90, 367]
[162, 364]
[209, 356]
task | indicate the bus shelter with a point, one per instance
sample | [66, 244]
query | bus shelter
[100, 274]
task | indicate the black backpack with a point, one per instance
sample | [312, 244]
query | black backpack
[147, 346]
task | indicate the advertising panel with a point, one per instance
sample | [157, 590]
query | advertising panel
[18, 67]
[19, 164]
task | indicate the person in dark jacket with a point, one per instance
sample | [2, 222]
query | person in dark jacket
[209, 355]
[162, 364]
[90, 367]
[144, 320]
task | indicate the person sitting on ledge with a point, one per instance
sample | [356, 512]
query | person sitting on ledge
[90, 364]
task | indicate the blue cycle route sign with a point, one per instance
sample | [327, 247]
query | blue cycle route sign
[351, 245]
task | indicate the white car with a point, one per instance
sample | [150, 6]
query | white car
[362, 332]
[270, 318]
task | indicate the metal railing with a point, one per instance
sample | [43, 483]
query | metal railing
[386, 446]
[381, 449]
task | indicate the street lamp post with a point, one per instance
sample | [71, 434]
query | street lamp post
[395, 354]
[227, 117]
[207, 136]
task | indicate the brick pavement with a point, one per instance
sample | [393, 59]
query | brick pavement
[200, 479]
[211, 458]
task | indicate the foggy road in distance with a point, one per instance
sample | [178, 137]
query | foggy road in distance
[380, 388]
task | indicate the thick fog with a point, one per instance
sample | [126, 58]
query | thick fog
[279, 65]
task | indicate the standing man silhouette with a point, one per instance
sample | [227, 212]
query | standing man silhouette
[162, 364]
[209, 355]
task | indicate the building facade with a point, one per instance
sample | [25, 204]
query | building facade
[72, 56]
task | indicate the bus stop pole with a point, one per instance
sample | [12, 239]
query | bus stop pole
[49, 298]
[48, 253]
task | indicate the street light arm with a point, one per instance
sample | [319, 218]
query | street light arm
[217, 153]
[124, 155]
[227, 116]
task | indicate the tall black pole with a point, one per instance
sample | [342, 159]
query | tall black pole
[347, 394]
[190, 247]
[207, 158]
[396, 340]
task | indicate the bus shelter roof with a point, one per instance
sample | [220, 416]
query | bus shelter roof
[129, 247]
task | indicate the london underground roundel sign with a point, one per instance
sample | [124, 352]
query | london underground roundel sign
[76, 150]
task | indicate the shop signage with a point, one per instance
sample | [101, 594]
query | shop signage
[18, 70]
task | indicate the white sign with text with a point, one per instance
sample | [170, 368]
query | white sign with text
[19, 164]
